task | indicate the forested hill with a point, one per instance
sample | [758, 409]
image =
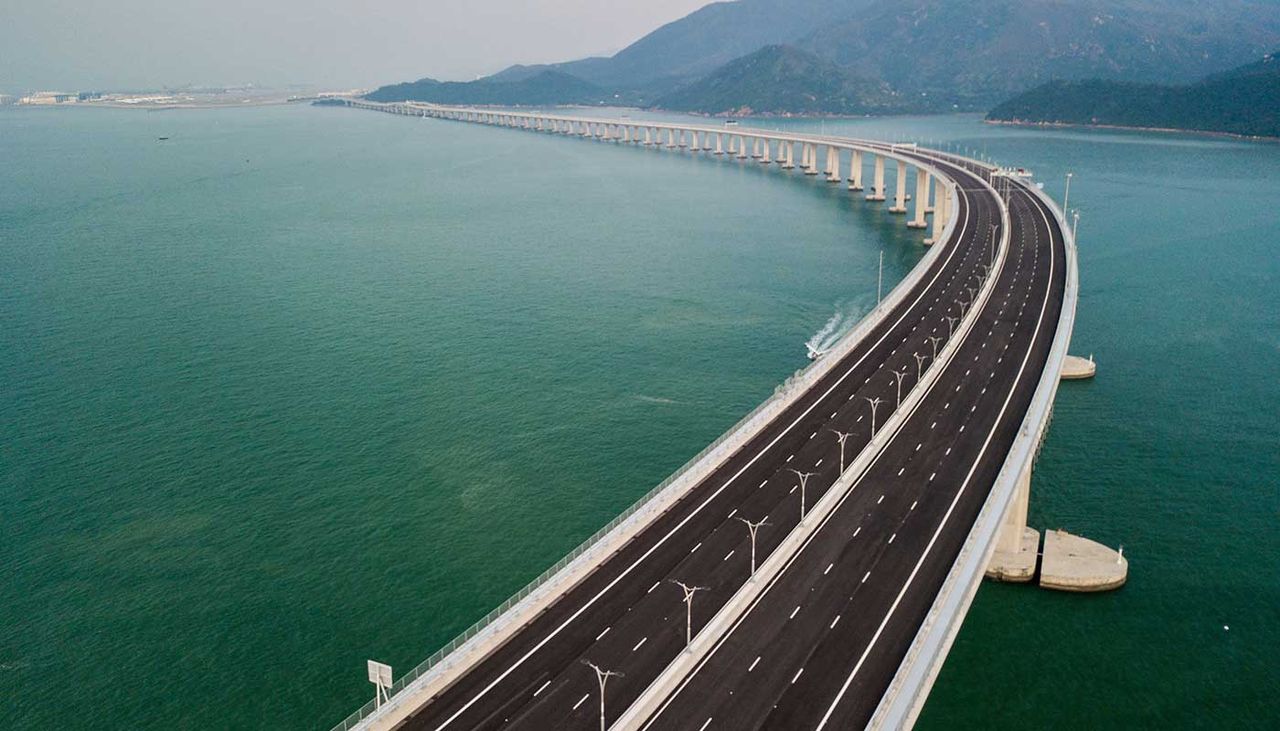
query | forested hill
[1243, 101]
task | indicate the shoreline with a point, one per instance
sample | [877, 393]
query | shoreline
[1121, 127]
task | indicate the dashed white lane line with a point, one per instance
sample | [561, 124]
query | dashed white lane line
[763, 483]
[935, 474]
[815, 464]
[880, 500]
[857, 531]
[727, 555]
[696, 547]
[865, 577]
[824, 573]
[655, 586]
[900, 471]
[581, 701]
[605, 632]
[732, 513]
[833, 626]
[789, 458]
[797, 675]
[705, 724]
[753, 664]
[539, 690]
[913, 505]
[794, 612]
[638, 644]
[895, 535]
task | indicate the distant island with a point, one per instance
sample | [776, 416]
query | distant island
[1243, 101]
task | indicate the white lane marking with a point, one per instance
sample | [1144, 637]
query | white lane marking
[959, 493]
[815, 464]
[935, 474]
[732, 513]
[581, 701]
[764, 483]
[948, 450]
[811, 436]
[696, 547]
[900, 471]
[605, 632]
[794, 612]
[753, 664]
[542, 688]
[824, 573]
[895, 535]
[865, 577]
[797, 676]
[638, 644]
[790, 458]
[833, 626]
[857, 531]
[705, 724]
[880, 500]
[727, 555]
[655, 586]
[913, 505]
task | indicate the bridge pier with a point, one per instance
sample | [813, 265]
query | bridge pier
[900, 190]
[921, 199]
[719, 143]
[877, 186]
[833, 165]
[940, 213]
[742, 147]
[855, 171]
[784, 154]
[764, 158]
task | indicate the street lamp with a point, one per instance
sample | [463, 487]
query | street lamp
[1067, 195]
[841, 437]
[602, 677]
[804, 480]
[900, 375]
[933, 340]
[951, 326]
[880, 279]
[1075, 224]
[689, 591]
[875, 403]
[920, 359]
[752, 528]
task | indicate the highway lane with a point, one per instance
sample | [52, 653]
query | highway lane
[625, 610]
[821, 646]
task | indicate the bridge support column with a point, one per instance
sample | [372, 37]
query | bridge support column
[855, 171]
[785, 153]
[755, 147]
[921, 199]
[720, 143]
[671, 139]
[833, 165]
[1017, 546]
[877, 186]
[765, 159]
[939, 213]
[742, 147]
[900, 192]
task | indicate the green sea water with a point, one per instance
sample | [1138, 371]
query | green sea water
[299, 387]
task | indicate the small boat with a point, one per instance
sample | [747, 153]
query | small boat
[162, 139]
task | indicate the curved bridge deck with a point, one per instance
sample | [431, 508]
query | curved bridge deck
[839, 622]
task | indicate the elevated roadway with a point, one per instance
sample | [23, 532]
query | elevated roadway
[889, 447]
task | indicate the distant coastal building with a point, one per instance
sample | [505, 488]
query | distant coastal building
[47, 98]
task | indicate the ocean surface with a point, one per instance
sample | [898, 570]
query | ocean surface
[298, 387]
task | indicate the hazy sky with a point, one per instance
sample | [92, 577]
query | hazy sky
[92, 44]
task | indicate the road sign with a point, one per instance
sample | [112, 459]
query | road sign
[379, 674]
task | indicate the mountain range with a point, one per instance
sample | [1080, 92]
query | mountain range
[1243, 101]
[922, 55]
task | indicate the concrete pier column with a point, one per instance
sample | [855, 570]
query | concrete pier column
[719, 143]
[877, 185]
[765, 159]
[788, 149]
[921, 199]
[742, 147]
[733, 145]
[855, 171]
[648, 137]
[1017, 546]
[811, 160]
[695, 142]
[929, 184]
[900, 192]
[755, 147]
[939, 212]
[833, 163]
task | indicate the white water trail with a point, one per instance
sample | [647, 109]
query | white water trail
[836, 327]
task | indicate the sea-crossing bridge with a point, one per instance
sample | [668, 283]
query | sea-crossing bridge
[811, 568]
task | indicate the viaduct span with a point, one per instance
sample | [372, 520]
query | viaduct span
[811, 568]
